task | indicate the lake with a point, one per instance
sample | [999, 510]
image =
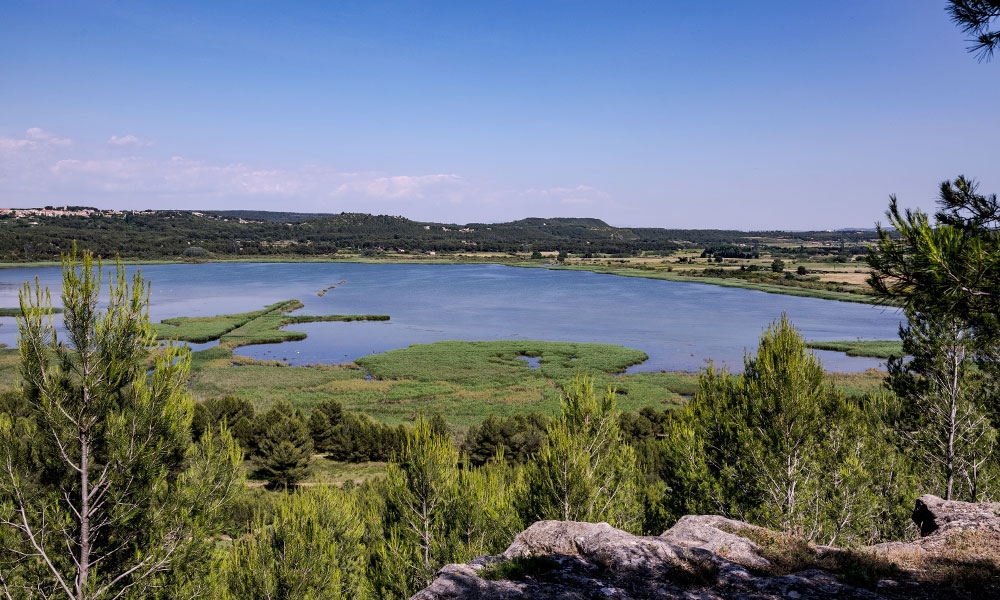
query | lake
[679, 325]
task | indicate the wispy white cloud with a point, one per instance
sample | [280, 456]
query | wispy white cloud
[128, 140]
[579, 195]
[102, 176]
[33, 140]
[41, 136]
[178, 176]
[401, 187]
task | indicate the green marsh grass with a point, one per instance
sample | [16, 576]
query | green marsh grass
[873, 349]
[255, 327]
[16, 312]
[462, 381]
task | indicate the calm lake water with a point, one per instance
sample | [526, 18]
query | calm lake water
[679, 325]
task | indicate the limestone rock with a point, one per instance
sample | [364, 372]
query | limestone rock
[590, 561]
[936, 515]
[706, 558]
[709, 532]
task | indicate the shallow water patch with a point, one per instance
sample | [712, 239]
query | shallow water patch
[533, 361]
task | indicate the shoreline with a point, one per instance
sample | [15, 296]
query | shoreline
[768, 288]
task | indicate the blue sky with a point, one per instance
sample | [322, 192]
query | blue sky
[750, 115]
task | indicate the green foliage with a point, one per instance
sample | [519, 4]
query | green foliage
[112, 497]
[206, 329]
[486, 519]
[497, 362]
[872, 348]
[778, 265]
[255, 327]
[354, 437]
[950, 268]
[584, 472]
[464, 380]
[947, 275]
[309, 547]
[976, 17]
[437, 512]
[517, 438]
[16, 312]
[151, 235]
[422, 486]
[323, 421]
[777, 446]
[282, 446]
[946, 420]
[235, 413]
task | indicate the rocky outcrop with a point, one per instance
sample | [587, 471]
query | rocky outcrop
[712, 558]
[943, 524]
[711, 532]
[936, 515]
[595, 560]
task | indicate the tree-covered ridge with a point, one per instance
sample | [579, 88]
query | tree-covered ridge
[153, 235]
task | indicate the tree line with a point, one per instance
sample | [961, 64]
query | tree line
[186, 234]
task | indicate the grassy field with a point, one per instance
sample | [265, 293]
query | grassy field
[856, 384]
[855, 293]
[10, 364]
[324, 471]
[873, 349]
[463, 381]
[217, 371]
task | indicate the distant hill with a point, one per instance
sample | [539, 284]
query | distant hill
[268, 216]
[168, 234]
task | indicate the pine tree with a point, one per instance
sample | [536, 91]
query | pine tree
[284, 446]
[238, 415]
[947, 425]
[975, 17]
[485, 519]
[584, 472]
[951, 267]
[309, 547]
[778, 447]
[102, 493]
[323, 421]
[421, 493]
[780, 397]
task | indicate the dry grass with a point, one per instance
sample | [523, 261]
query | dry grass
[10, 365]
[966, 565]
[857, 384]
[968, 562]
[789, 554]
[850, 277]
